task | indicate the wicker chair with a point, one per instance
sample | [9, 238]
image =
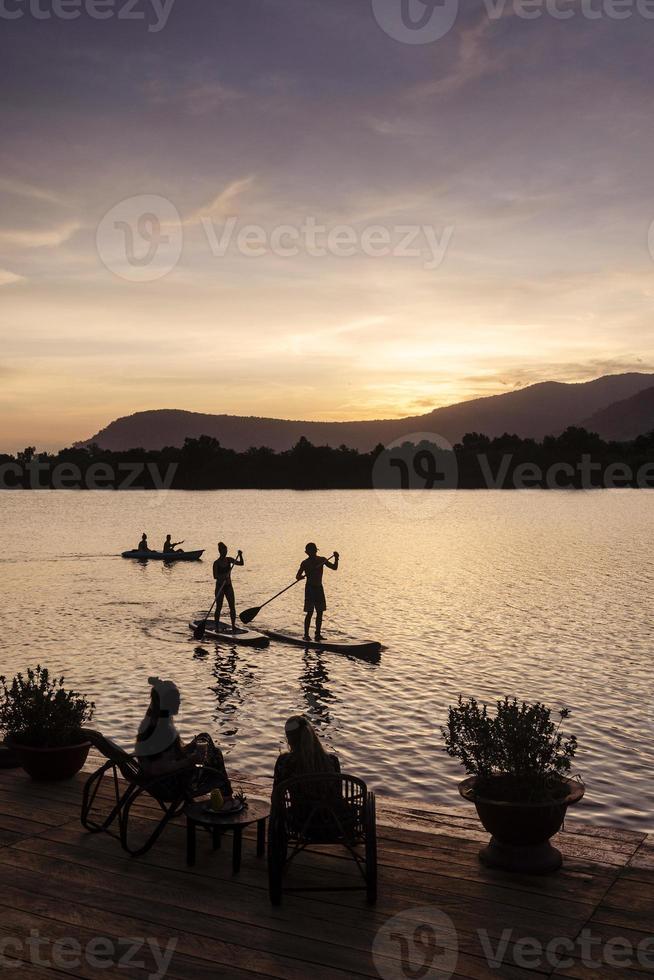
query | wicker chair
[317, 810]
[171, 795]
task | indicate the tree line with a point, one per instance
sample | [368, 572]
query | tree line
[575, 459]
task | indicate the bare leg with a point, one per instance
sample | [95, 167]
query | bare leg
[307, 624]
[219, 606]
[232, 609]
[318, 622]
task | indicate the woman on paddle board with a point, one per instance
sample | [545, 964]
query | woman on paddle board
[311, 569]
[222, 572]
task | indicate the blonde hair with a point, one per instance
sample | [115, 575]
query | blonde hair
[306, 748]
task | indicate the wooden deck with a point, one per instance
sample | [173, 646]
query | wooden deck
[58, 882]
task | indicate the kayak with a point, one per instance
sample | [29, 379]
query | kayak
[223, 634]
[164, 555]
[366, 651]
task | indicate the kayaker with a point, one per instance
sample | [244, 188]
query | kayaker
[170, 545]
[222, 572]
[311, 569]
[143, 543]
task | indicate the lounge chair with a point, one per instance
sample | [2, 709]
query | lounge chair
[317, 810]
[171, 795]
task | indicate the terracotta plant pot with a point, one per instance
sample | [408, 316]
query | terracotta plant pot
[521, 831]
[50, 764]
[8, 757]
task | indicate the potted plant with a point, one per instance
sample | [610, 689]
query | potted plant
[42, 723]
[8, 757]
[518, 764]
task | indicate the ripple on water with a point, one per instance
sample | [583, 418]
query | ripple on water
[541, 595]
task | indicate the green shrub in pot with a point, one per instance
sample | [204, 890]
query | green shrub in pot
[42, 721]
[518, 763]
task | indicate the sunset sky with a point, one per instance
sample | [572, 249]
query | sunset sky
[525, 146]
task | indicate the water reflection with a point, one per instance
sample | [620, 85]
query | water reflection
[314, 681]
[577, 624]
[226, 688]
[233, 682]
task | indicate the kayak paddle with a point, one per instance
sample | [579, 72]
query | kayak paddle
[249, 614]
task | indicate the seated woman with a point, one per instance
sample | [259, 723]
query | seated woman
[318, 811]
[163, 756]
[306, 756]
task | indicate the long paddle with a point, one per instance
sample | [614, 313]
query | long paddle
[201, 628]
[249, 614]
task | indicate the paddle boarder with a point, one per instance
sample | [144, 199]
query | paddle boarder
[222, 572]
[170, 545]
[311, 569]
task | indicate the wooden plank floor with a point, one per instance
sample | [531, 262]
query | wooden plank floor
[59, 883]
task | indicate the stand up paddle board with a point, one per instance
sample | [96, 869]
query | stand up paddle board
[366, 651]
[223, 634]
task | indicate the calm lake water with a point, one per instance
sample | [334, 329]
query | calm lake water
[545, 595]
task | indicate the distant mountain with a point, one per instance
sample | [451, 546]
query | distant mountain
[626, 419]
[541, 409]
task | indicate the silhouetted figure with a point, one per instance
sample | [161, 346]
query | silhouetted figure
[143, 543]
[170, 545]
[222, 572]
[314, 594]
[306, 755]
[162, 754]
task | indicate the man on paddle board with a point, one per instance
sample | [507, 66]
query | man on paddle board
[311, 569]
[222, 572]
